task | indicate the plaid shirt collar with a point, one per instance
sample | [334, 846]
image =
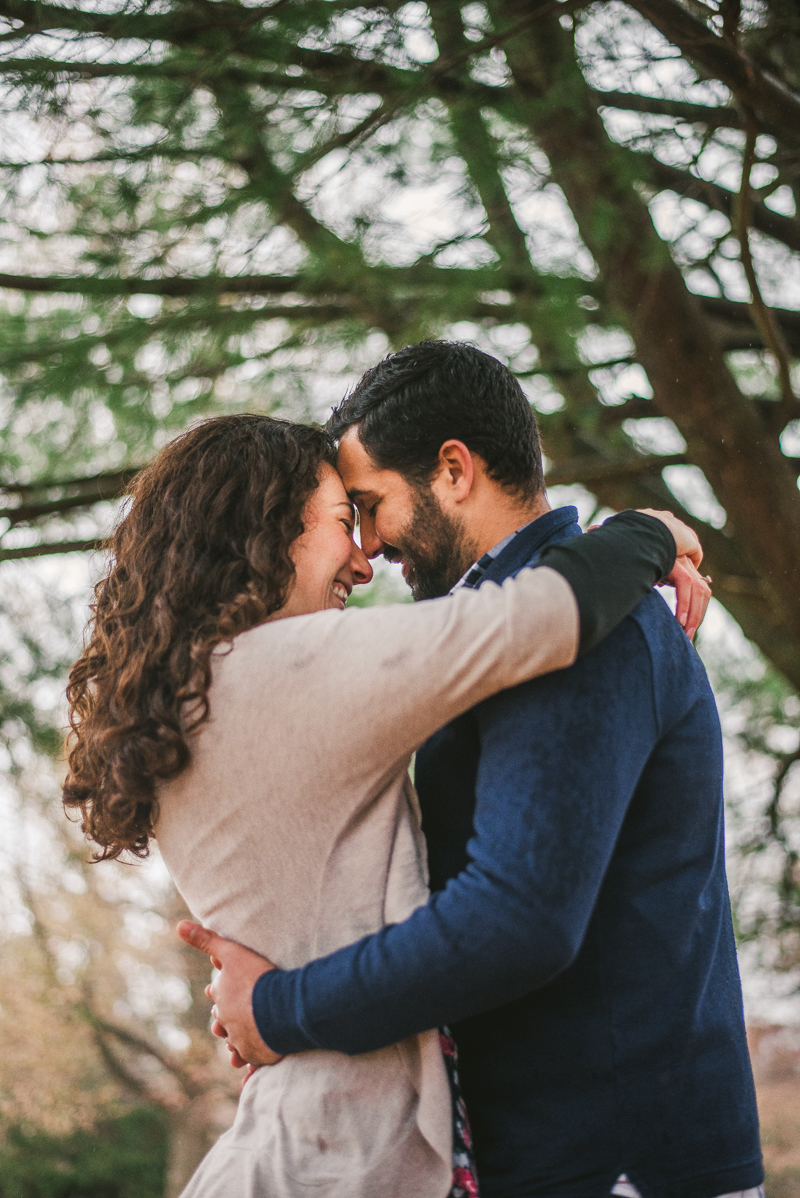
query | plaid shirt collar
[474, 575]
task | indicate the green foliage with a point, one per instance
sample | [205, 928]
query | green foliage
[122, 1158]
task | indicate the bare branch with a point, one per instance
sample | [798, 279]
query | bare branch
[681, 110]
[132, 1040]
[90, 491]
[593, 470]
[102, 482]
[177, 25]
[178, 287]
[119, 1070]
[762, 315]
[48, 549]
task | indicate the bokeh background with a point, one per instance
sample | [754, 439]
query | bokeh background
[211, 206]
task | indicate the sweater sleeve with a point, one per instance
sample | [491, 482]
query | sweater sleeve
[611, 569]
[372, 684]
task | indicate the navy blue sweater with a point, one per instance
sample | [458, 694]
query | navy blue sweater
[579, 940]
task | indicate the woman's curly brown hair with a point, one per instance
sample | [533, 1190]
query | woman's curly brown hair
[201, 555]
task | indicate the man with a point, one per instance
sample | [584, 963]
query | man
[578, 939]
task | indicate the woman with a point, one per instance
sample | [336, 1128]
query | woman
[269, 756]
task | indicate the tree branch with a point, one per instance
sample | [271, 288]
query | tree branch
[774, 103]
[692, 385]
[785, 229]
[139, 1044]
[174, 286]
[48, 549]
[681, 110]
[119, 1070]
[90, 490]
[762, 315]
[175, 26]
[28, 512]
[733, 323]
[593, 470]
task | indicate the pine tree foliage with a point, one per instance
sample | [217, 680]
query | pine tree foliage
[210, 204]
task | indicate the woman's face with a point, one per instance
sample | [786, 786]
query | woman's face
[328, 563]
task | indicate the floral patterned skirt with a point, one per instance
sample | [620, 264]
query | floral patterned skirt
[465, 1175]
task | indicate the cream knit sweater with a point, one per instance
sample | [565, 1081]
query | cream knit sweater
[295, 830]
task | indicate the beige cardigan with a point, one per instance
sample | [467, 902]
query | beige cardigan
[295, 830]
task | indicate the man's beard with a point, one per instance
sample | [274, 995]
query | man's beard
[435, 548]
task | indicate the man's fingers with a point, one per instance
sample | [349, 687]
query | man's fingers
[204, 939]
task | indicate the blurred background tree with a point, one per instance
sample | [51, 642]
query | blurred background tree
[211, 206]
[110, 1084]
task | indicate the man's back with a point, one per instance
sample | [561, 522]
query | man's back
[633, 1059]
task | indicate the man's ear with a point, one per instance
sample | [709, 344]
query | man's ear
[455, 475]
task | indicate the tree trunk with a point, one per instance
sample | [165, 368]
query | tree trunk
[739, 454]
[192, 1131]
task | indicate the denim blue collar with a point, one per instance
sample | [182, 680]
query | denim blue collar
[524, 549]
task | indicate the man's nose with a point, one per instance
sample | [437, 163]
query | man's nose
[362, 570]
[371, 543]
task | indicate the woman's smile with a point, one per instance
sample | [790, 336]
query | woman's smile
[341, 593]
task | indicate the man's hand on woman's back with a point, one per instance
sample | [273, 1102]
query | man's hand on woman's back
[232, 993]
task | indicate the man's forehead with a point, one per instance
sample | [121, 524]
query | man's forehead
[359, 472]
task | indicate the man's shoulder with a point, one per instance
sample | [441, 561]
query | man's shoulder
[620, 665]
[646, 667]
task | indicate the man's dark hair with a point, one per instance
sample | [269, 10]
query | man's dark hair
[408, 405]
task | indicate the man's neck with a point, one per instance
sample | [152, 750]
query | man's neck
[503, 517]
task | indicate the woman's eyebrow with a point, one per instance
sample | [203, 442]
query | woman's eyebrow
[350, 506]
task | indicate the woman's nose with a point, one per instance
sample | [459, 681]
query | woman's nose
[362, 570]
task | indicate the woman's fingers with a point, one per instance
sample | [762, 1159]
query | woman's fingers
[692, 595]
[700, 598]
[687, 542]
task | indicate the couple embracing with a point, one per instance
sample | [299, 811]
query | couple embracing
[550, 895]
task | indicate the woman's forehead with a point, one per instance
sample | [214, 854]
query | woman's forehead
[330, 491]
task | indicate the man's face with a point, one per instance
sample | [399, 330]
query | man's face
[404, 522]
